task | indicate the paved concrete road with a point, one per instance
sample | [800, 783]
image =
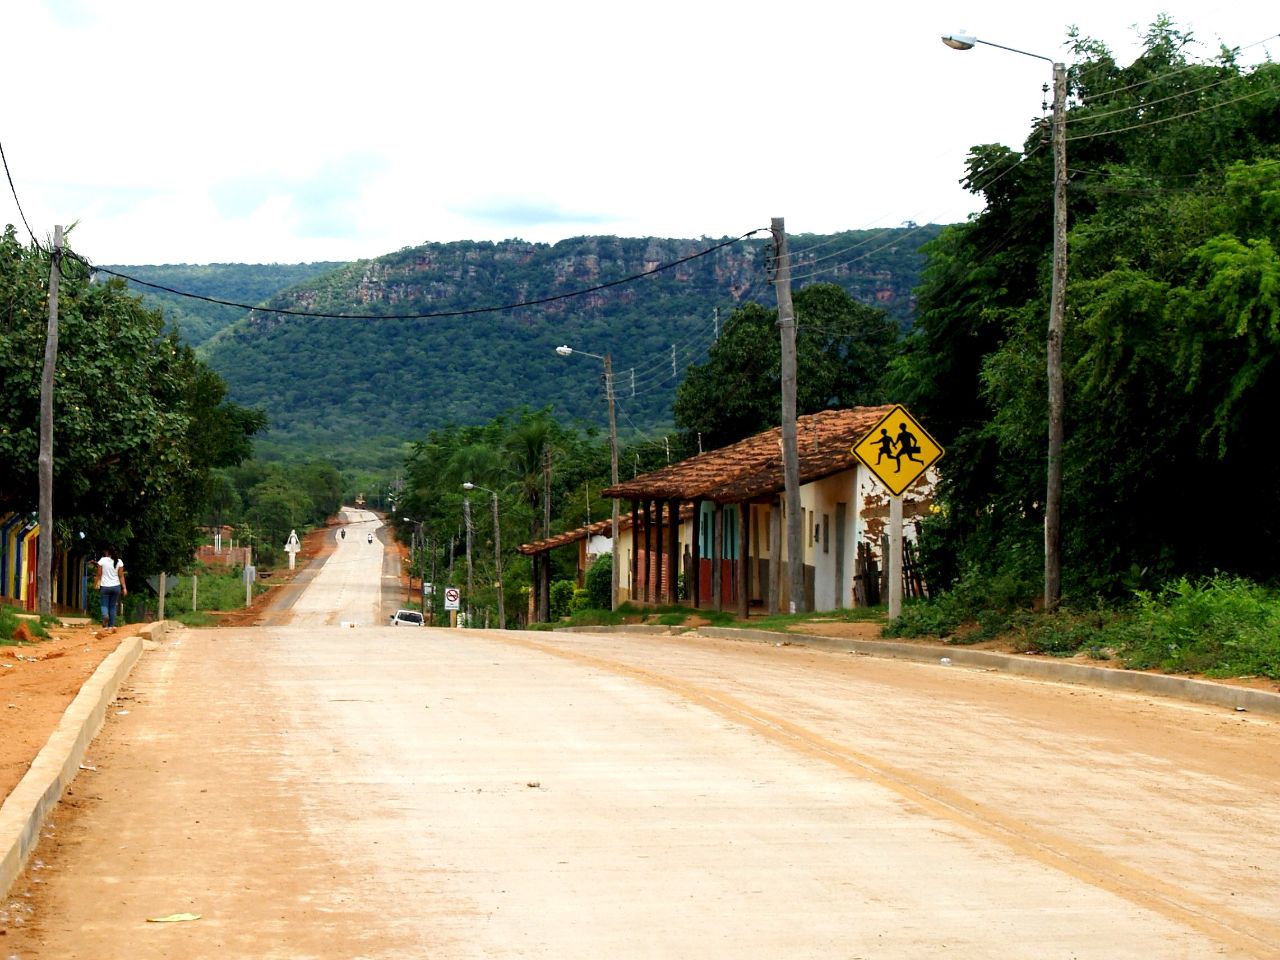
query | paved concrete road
[324, 792]
[347, 589]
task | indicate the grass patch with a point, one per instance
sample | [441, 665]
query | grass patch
[217, 589]
[9, 621]
[1219, 626]
[976, 608]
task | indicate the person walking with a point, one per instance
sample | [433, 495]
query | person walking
[110, 584]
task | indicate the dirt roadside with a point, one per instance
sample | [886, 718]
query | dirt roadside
[38, 681]
[867, 630]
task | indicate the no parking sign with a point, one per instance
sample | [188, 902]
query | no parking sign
[452, 598]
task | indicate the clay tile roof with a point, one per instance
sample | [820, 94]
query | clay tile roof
[752, 467]
[571, 536]
[581, 533]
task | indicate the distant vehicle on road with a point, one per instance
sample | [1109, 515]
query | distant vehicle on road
[406, 618]
[371, 538]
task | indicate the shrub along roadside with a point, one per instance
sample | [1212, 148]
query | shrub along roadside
[216, 589]
[1220, 626]
[9, 622]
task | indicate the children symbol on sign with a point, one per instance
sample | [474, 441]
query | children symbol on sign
[907, 447]
[885, 443]
[906, 443]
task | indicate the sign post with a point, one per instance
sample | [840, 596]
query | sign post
[897, 451]
[452, 603]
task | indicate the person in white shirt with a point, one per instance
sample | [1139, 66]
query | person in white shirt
[110, 585]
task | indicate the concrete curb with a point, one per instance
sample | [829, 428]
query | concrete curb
[1042, 668]
[33, 799]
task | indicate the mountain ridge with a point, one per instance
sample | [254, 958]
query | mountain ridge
[376, 376]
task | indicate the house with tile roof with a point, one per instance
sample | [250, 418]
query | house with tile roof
[718, 519]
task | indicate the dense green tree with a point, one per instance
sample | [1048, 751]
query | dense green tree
[1172, 322]
[842, 350]
[139, 425]
[366, 384]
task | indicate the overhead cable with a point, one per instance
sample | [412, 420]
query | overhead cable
[427, 316]
[17, 202]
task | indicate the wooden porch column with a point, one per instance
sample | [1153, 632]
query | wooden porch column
[744, 561]
[673, 552]
[659, 543]
[648, 549]
[635, 548]
[695, 587]
[717, 553]
[775, 554]
[541, 572]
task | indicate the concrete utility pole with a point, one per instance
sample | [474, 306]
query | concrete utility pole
[607, 360]
[466, 519]
[790, 453]
[44, 563]
[497, 561]
[613, 478]
[1057, 310]
[543, 584]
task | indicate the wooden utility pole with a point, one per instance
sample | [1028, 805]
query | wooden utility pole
[790, 453]
[1057, 309]
[614, 539]
[44, 567]
[497, 562]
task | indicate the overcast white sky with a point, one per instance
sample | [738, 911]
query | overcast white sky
[280, 131]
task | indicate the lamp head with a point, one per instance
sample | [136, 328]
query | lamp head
[565, 350]
[959, 41]
[468, 486]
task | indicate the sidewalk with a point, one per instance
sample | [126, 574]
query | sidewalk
[1101, 674]
[29, 804]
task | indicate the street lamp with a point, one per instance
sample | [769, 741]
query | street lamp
[565, 351]
[418, 541]
[1057, 309]
[497, 549]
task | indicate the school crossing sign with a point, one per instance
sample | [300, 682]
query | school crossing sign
[897, 450]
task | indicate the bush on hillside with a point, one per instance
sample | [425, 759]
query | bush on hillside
[600, 583]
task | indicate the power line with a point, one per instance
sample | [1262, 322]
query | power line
[17, 202]
[424, 316]
[1166, 75]
[1148, 104]
[1179, 116]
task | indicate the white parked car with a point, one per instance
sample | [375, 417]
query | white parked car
[406, 618]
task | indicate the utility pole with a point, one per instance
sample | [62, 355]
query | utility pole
[466, 519]
[497, 561]
[613, 470]
[543, 584]
[44, 565]
[790, 453]
[1057, 309]
[435, 548]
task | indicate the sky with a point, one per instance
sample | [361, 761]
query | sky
[275, 131]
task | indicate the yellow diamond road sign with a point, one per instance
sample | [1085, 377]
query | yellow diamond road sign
[897, 450]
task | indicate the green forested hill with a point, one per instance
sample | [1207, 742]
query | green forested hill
[333, 386]
[198, 320]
